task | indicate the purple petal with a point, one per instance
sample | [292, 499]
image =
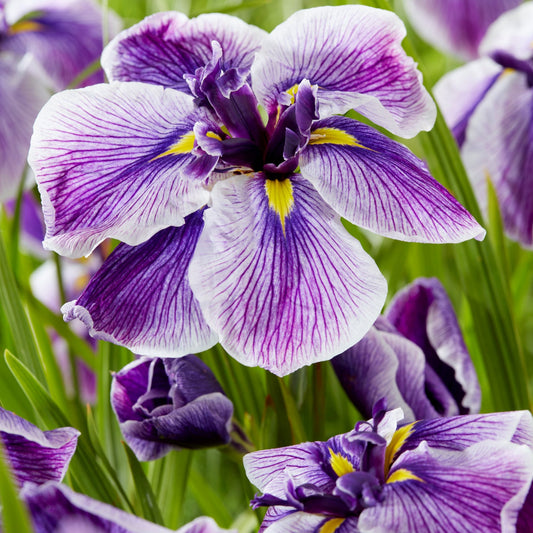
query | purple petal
[455, 26]
[479, 489]
[22, 97]
[423, 313]
[203, 524]
[299, 523]
[380, 185]
[282, 290]
[459, 92]
[141, 298]
[104, 161]
[353, 54]
[499, 147]
[34, 455]
[165, 46]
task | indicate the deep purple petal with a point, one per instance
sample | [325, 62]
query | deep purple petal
[455, 26]
[165, 46]
[282, 290]
[499, 147]
[380, 185]
[106, 164]
[353, 54]
[141, 298]
[34, 455]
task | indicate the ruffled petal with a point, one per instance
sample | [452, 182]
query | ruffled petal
[165, 46]
[36, 456]
[479, 489]
[141, 297]
[459, 92]
[22, 97]
[455, 26]
[380, 185]
[116, 161]
[279, 278]
[499, 147]
[353, 54]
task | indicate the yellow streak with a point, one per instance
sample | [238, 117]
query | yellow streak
[183, 146]
[401, 474]
[335, 136]
[213, 135]
[339, 463]
[25, 25]
[292, 92]
[280, 198]
[331, 525]
[396, 443]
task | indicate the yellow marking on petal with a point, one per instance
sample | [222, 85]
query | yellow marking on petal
[335, 136]
[213, 135]
[505, 72]
[81, 282]
[24, 26]
[402, 474]
[292, 92]
[280, 198]
[396, 443]
[331, 525]
[339, 463]
[183, 146]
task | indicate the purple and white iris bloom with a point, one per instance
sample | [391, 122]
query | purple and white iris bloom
[414, 356]
[55, 508]
[455, 26]
[166, 404]
[36, 456]
[456, 475]
[488, 104]
[231, 228]
[44, 44]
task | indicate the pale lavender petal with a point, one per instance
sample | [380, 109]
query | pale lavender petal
[203, 524]
[512, 32]
[104, 161]
[423, 313]
[36, 456]
[299, 523]
[455, 26]
[479, 489]
[141, 297]
[499, 147]
[353, 54]
[459, 92]
[380, 185]
[22, 96]
[165, 46]
[282, 291]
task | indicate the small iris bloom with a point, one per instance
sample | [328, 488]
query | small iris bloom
[488, 104]
[231, 223]
[414, 356]
[456, 475]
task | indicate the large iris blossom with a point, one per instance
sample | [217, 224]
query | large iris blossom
[230, 223]
[455, 475]
[488, 103]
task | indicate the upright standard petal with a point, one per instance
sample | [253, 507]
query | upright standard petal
[499, 148]
[455, 26]
[279, 278]
[380, 185]
[141, 297]
[353, 55]
[36, 456]
[164, 47]
[116, 161]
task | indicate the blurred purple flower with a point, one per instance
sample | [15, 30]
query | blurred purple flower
[55, 508]
[455, 26]
[165, 404]
[488, 104]
[36, 456]
[457, 474]
[267, 268]
[414, 356]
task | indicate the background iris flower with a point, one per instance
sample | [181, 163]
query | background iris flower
[231, 226]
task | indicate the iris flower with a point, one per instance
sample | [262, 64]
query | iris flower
[488, 103]
[230, 223]
[455, 475]
[414, 356]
